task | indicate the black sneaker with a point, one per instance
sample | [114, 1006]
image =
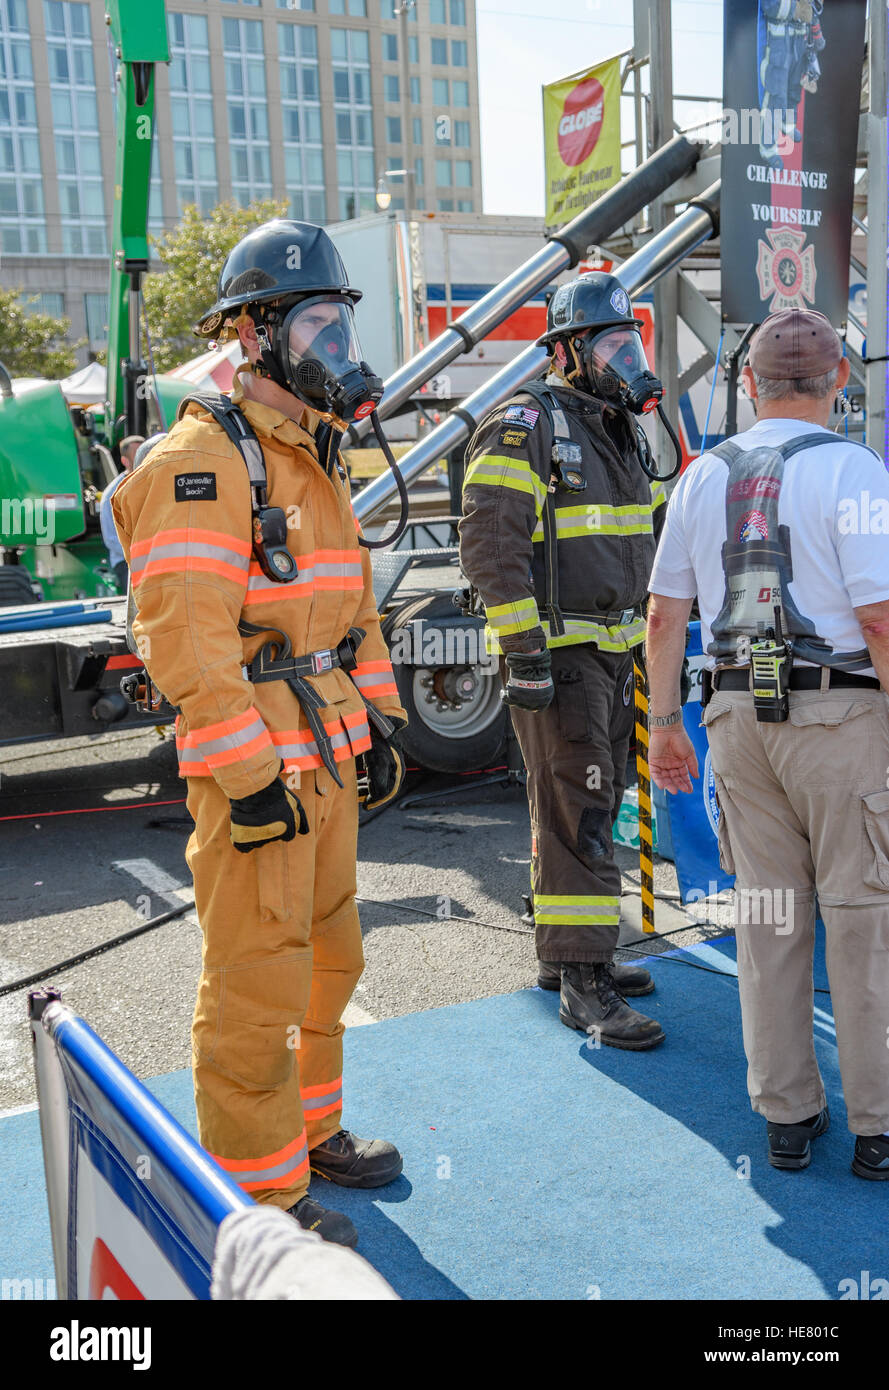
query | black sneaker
[352, 1162]
[871, 1157]
[591, 1003]
[329, 1225]
[630, 980]
[790, 1145]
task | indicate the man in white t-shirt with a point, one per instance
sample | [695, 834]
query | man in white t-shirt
[128, 449]
[783, 533]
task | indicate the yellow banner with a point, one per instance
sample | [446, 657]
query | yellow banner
[581, 139]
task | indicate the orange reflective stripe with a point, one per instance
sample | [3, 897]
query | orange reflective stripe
[229, 741]
[322, 1100]
[319, 571]
[375, 678]
[189, 550]
[280, 1169]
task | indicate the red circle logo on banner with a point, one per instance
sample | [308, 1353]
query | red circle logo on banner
[581, 122]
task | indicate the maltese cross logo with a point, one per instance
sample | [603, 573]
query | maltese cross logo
[785, 271]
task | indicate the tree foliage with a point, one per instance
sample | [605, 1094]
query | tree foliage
[192, 254]
[33, 344]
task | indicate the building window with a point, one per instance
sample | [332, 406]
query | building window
[461, 93]
[458, 15]
[439, 49]
[437, 12]
[191, 112]
[296, 5]
[301, 116]
[350, 50]
[390, 48]
[415, 91]
[458, 53]
[387, 9]
[441, 91]
[463, 173]
[446, 205]
[413, 48]
[96, 310]
[418, 170]
[393, 130]
[248, 124]
[391, 87]
[462, 135]
[50, 302]
[76, 128]
[22, 224]
[464, 205]
[443, 173]
[417, 130]
[356, 8]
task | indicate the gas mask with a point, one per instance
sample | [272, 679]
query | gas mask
[316, 356]
[613, 365]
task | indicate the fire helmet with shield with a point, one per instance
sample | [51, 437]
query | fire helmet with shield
[291, 279]
[593, 319]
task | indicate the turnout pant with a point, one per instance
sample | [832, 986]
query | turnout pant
[805, 810]
[575, 753]
[281, 956]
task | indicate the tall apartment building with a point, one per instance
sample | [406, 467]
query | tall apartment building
[303, 100]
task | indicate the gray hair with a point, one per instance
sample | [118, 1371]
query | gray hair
[768, 389]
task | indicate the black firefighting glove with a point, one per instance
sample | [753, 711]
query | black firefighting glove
[530, 683]
[384, 766]
[267, 815]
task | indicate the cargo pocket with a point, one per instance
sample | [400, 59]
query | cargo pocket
[726, 858]
[572, 707]
[721, 734]
[875, 869]
[821, 754]
[260, 1008]
[273, 881]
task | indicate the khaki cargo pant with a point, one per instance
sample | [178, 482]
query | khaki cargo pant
[282, 954]
[575, 753]
[805, 810]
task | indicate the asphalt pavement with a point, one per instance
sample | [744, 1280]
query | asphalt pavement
[92, 839]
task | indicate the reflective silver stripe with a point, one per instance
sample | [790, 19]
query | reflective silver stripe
[310, 747]
[345, 570]
[317, 1102]
[560, 424]
[376, 678]
[184, 550]
[226, 742]
[280, 1170]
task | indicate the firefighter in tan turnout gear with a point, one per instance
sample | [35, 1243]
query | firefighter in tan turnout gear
[256, 618]
[558, 536]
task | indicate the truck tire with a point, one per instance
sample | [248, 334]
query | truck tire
[441, 736]
[15, 587]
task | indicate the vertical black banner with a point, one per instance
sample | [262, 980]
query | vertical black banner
[791, 93]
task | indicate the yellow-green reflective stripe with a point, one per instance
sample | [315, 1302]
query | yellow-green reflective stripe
[658, 495]
[565, 531]
[513, 617]
[498, 471]
[562, 917]
[608, 639]
[574, 900]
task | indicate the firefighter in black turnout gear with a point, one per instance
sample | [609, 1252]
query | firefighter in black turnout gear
[558, 535]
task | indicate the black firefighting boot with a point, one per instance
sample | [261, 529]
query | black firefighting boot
[631, 980]
[591, 1003]
[352, 1162]
[871, 1159]
[329, 1225]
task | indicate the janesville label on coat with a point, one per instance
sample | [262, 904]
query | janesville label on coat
[195, 487]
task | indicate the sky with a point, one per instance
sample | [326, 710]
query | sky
[523, 44]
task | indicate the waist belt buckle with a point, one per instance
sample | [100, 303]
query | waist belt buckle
[322, 661]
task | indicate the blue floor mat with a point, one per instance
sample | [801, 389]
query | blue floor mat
[539, 1167]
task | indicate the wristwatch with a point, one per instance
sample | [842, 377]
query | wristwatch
[663, 721]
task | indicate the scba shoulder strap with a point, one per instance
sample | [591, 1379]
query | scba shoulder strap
[269, 528]
[756, 555]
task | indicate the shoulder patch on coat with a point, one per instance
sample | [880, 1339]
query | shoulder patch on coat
[524, 415]
[512, 438]
[195, 487]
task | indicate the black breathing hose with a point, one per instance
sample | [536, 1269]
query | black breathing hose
[644, 453]
[401, 525]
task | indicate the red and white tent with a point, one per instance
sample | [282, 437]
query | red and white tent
[214, 370]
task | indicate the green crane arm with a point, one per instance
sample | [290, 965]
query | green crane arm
[139, 35]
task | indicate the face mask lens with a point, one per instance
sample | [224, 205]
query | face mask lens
[321, 334]
[619, 351]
